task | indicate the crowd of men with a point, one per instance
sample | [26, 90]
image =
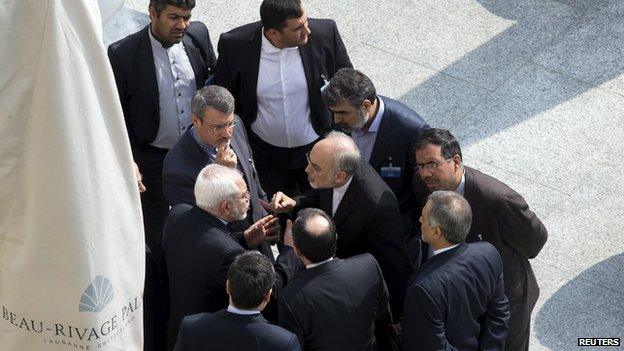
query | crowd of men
[289, 206]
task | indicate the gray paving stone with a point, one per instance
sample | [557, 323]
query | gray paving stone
[483, 42]
[593, 48]
[440, 99]
[546, 127]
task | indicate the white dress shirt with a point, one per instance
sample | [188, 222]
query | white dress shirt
[312, 265]
[437, 252]
[283, 104]
[233, 309]
[176, 86]
[365, 139]
[338, 194]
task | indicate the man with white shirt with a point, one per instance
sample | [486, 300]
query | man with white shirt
[157, 71]
[501, 217]
[456, 300]
[362, 207]
[275, 69]
[334, 303]
[240, 326]
[199, 247]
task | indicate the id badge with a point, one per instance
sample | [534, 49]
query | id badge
[390, 172]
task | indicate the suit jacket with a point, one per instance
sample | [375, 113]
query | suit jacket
[456, 301]
[135, 74]
[239, 61]
[334, 306]
[227, 331]
[502, 217]
[368, 220]
[199, 250]
[399, 129]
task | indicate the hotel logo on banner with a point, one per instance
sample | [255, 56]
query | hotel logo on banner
[95, 298]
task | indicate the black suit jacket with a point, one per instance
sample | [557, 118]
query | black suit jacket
[399, 129]
[198, 251]
[239, 61]
[135, 74]
[227, 331]
[368, 220]
[334, 306]
[186, 159]
[456, 301]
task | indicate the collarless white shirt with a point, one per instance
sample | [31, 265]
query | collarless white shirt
[338, 194]
[365, 139]
[283, 103]
[176, 86]
[235, 310]
[437, 252]
[461, 188]
[312, 265]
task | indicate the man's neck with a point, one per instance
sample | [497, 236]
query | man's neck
[272, 41]
[371, 118]
[162, 42]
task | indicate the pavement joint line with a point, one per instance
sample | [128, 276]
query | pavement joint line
[578, 276]
[427, 66]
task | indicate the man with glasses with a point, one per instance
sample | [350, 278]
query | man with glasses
[500, 216]
[199, 247]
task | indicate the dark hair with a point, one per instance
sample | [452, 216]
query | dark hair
[251, 276]
[274, 13]
[451, 213]
[213, 96]
[349, 84]
[160, 5]
[315, 246]
[441, 137]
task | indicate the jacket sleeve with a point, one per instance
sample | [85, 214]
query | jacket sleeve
[289, 321]
[519, 226]
[178, 189]
[495, 322]
[342, 58]
[423, 324]
[222, 71]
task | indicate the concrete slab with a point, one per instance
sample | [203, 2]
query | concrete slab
[592, 50]
[439, 98]
[483, 42]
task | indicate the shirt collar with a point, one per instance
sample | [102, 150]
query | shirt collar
[268, 47]
[343, 189]
[461, 188]
[312, 265]
[437, 252]
[233, 309]
[211, 150]
[374, 127]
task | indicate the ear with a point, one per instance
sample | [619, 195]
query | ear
[366, 104]
[457, 161]
[228, 289]
[195, 120]
[340, 176]
[152, 13]
[225, 207]
[267, 296]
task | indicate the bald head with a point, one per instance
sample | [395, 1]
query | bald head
[314, 235]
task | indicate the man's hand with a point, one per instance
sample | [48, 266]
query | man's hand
[139, 178]
[288, 237]
[264, 229]
[225, 155]
[281, 203]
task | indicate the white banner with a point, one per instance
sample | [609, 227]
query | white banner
[71, 245]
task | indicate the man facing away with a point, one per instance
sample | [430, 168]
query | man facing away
[275, 69]
[334, 303]
[456, 300]
[240, 326]
[501, 217]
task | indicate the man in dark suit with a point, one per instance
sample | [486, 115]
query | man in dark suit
[456, 300]
[384, 131]
[334, 303]
[240, 326]
[199, 248]
[275, 69]
[362, 206]
[500, 217]
[157, 71]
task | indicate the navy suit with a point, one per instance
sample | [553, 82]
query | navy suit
[456, 301]
[199, 250]
[225, 331]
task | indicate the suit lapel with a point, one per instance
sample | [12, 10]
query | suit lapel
[147, 65]
[307, 59]
[383, 141]
[346, 204]
[194, 57]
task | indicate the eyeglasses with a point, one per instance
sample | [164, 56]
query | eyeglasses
[431, 165]
[314, 167]
[219, 127]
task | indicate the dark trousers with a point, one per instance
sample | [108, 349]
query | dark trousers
[280, 169]
[155, 210]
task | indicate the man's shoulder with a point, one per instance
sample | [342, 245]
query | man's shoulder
[181, 153]
[370, 187]
[241, 33]
[485, 187]
[321, 23]
[129, 43]
[403, 116]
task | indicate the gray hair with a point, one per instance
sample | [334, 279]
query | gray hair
[349, 84]
[215, 184]
[346, 154]
[212, 96]
[451, 213]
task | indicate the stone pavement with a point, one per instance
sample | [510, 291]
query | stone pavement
[534, 91]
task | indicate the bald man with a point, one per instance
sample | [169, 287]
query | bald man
[362, 206]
